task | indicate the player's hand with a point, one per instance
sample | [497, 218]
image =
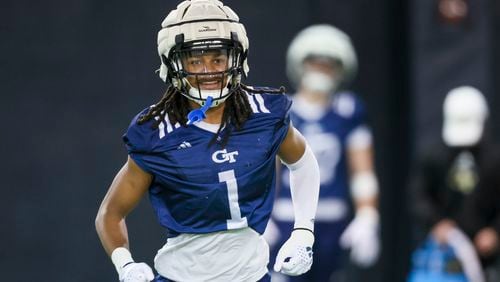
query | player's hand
[295, 256]
[442, 230]
[362, 237]
[136, 272]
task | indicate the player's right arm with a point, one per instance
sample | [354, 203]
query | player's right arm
[126, 190]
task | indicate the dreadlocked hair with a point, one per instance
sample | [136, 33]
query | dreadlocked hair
[236, 111]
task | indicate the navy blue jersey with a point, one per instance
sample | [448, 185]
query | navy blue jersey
[199, 188]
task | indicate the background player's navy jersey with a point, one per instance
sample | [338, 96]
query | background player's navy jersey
[328, 134]
[201, 189]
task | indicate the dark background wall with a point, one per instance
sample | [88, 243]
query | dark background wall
[447, 52]
[73, 74]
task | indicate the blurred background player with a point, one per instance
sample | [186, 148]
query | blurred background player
[455, 196]
[206, 155]
[321, 61]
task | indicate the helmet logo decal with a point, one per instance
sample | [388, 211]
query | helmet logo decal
[206, 28]
[223, 156]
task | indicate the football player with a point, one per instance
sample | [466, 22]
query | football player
[205, 154]
[320, 62]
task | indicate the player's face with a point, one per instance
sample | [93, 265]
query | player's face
[206, 68]
[326, 66]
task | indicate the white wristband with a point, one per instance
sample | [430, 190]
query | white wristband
[120, 257]
[364, 185]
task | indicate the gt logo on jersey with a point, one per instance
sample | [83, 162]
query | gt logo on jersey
[222, 156]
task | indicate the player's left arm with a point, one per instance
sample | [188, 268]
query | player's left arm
[360, 159]
[296, 154]
[364, 184]
[293, 146]
[362, 234]
[295, 256]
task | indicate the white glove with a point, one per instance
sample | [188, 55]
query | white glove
[136, 272]
[295, 257]
[128, 270]
[362, 237]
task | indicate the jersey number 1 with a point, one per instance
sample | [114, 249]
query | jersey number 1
[236, 220]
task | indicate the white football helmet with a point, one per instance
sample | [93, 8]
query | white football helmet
[465, 111]
[197, 27]
[323, 41]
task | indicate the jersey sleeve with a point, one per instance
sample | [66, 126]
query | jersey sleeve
[138, 136]
[353, 110]
[279, 105]
[270, 111]
[279, 109]
[139, 140]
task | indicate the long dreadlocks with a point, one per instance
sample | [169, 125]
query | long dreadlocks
[236, 111]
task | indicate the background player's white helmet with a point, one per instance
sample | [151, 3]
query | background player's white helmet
[465, 111]
[321, 40]
[200, 26]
